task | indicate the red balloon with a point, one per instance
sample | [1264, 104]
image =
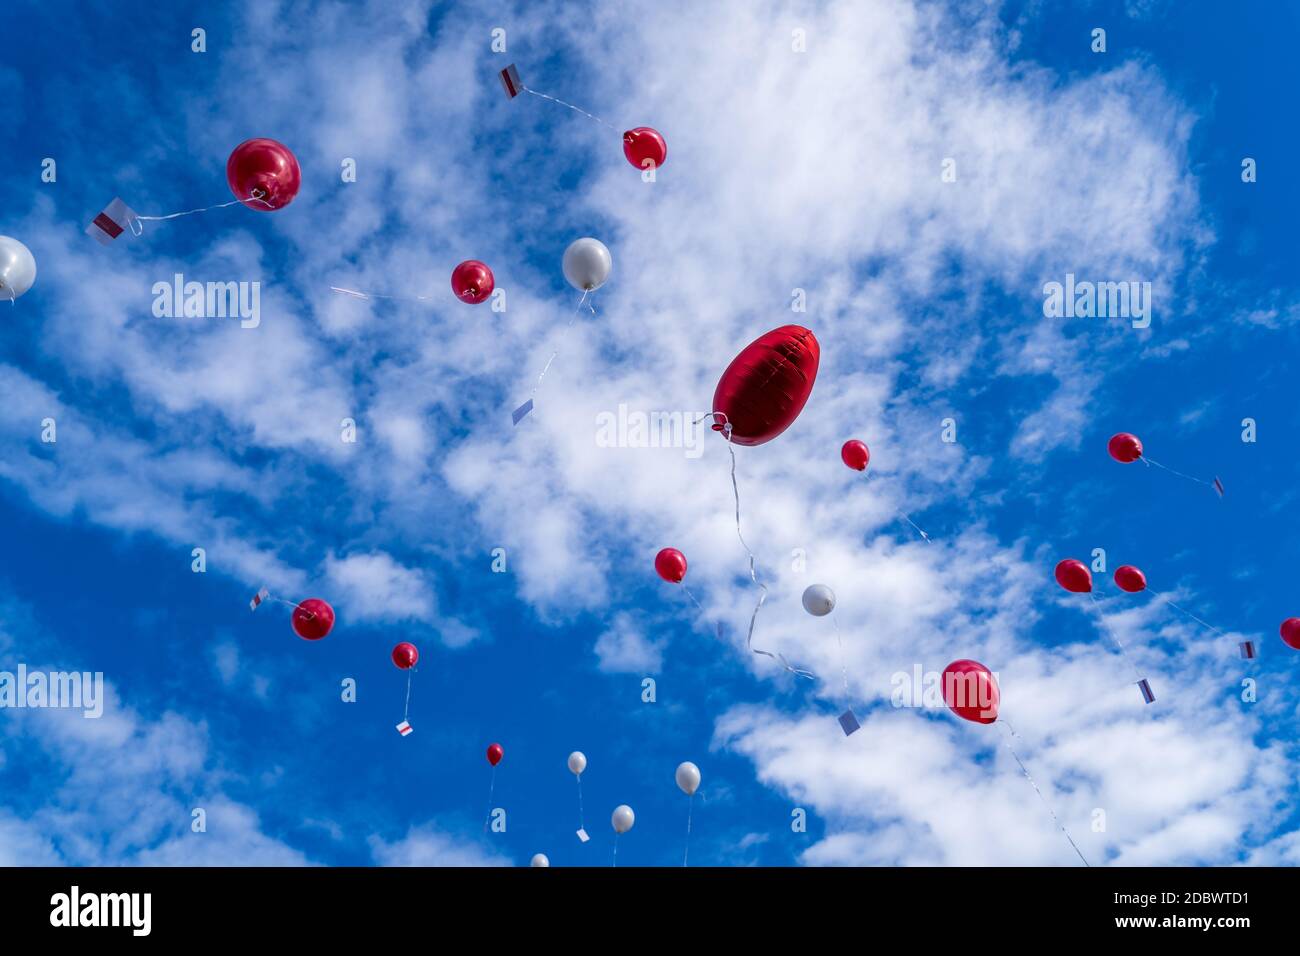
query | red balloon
[1130, 579]
[472, 281]
[264, 174]
[1291, 632]
[644, 143]
[1073, 575]
[671, 565]
[1125, 448]
[405, 655]
[312, 619]
[767, 385]
[970, 691]
[495, 753]
[855, 454]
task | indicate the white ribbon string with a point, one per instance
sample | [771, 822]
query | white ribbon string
[1007, 740]
[844, 671]
[492, 784]
[13, 296]
[406, 712]
[376, 295]
[753, 574]
[575, 109]
[582, 823]
[925, 537]
[717, 627]
[1210, 627]
[690, 811]
[616, 836]
[536, 387]
[137, 230]
[1199, 481]
[1101, 615]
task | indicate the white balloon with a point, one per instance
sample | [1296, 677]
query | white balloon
[540, 860]
[577, 762]
[688, 778]
[623, 818]
[586, 264]
[818, 600]
[18, 268]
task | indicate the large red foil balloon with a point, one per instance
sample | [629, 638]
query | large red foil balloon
[494, 754]
[970, 691]
[1073, 575]
[855, 454]
[671, 565]
[1130, 579]
[767, 385]
[1125, 448]
[644, 143]
[1291, 632]
[405, 655]
[472, 281]
[312, 619]
[264, 174]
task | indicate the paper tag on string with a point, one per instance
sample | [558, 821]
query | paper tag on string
[582, 836]
[1145, 686]
[405, 728]
[510, 80]
[1247, 649]
[111, 223]
[522, 411]
[849, 723]
[1218, 486]
[258, 598]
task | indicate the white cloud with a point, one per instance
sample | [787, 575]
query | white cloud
[623, 648]
[426, 845]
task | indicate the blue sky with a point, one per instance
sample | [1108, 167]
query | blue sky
[817, 170]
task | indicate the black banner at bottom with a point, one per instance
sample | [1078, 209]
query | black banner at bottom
[332, 905]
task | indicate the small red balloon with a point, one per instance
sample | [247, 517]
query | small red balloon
[494, 754]
[1125, 448]
[1073, 575]
[312, 619]
[405, 655]
[855, 454]
[1130, 579]
[767, 385]
[1291, 632]
[263, 174]
[970, 691]
[644, 148]
[472, 281]
[671, 565]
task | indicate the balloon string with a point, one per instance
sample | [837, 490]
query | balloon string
[406, 712]
[1115, 640]
[1199, 481]
[616, 835]
[136, 230]
[376, 295]
[309, 615]
[575, 108]
[844, 671]
[1007, 741]
[753, 574]
[690, 810]
[582, 824]
[703, 613]
[1192, 616]
[492, 784]
[914, 525]
[573, 318]
[13, 296]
